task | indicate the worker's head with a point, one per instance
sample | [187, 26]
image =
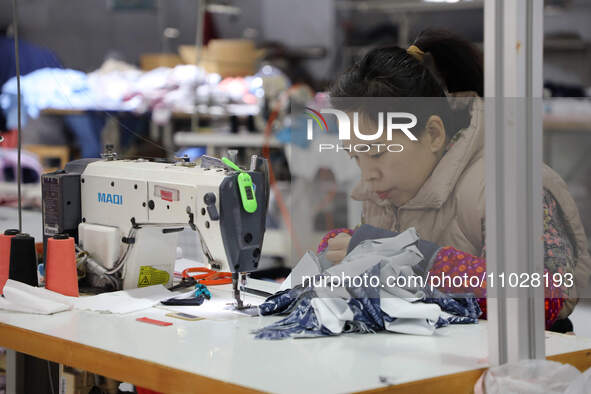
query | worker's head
[421, 78]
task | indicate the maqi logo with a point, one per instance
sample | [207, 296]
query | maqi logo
[345, 130]
[108, 198]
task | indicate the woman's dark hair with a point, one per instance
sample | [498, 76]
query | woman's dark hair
[450, 64]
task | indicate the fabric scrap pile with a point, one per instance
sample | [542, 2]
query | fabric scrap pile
[314, 309]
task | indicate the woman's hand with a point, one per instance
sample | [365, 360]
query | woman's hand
[337, 247]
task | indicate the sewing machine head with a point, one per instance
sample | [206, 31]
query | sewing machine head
[126, 214]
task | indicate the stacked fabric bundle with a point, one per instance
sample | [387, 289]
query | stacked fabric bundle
[117, 86]
[314, 308]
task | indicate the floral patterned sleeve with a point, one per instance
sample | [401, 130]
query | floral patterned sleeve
[558, 257]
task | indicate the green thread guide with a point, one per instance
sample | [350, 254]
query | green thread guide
[245, 186]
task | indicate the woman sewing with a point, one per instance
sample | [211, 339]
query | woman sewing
[436, 184]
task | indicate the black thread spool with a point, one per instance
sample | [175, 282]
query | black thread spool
[23, 260]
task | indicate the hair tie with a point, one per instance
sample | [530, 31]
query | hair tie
[415, 52]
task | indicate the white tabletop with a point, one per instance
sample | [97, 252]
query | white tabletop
[223, 348]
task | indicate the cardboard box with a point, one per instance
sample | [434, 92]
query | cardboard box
[229, 58]
[150, 61]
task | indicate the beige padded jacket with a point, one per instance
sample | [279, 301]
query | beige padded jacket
[449, 209]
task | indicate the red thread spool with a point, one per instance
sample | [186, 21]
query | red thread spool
[5, 240]
[60, 266]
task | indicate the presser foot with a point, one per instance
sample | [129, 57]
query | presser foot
[239, 305]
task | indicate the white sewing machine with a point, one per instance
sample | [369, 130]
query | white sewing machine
[127, 214]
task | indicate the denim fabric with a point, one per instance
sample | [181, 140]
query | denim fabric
[368, 317]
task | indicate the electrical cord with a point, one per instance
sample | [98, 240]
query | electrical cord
[121, 261]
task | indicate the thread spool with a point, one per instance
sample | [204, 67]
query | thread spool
[23, 259]
[60, 266]
[5, 240]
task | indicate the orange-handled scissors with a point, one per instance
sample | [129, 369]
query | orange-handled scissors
[208, 277]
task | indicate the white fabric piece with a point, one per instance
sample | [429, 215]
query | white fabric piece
[335, 292]
[528, 377]
[28, 303]
[411, 317]
[386, 246]
[20, 297]
[402, 309]
[371, 252]
[42, 292]
[411, 326]
[396, 256]
[332, 313]
[307, 266]
[124, 301]
[581, 384]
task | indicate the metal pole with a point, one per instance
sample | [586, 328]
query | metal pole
[14, 371]
[18, 99]
[199, 28]
[513, 149]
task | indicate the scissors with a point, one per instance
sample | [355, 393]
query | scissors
[207, 277]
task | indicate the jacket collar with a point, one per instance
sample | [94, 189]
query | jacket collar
[438, 186]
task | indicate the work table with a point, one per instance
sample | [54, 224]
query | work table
[220, 353]
[196, 355]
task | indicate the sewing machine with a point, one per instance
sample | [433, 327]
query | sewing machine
[126, 214]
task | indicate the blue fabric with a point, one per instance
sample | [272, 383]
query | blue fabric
[87, 128]
[31, 58]
[46, 88]
[360, 309]
[464, 307]
[301, 319]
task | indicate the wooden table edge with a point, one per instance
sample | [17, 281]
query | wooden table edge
[139, 372]
[166, 379]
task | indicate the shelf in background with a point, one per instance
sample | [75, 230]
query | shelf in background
[244, 140]
[566, 44]
[560, 123]
[408, 6]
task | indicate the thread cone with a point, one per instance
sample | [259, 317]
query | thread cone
[60, 266]
[5, 240]
[23, 259]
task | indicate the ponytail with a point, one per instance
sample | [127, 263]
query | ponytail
[438, 63]
[458, 62]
